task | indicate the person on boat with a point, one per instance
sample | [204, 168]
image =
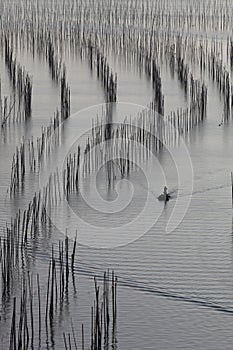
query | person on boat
[166, 195]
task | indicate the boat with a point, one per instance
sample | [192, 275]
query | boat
[165, 196]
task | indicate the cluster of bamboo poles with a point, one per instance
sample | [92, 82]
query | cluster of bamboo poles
[58, 74]
[31, 315]
[65, 96]
[183, 73]
[14, 244]
[21, 82]
[28, 223]
[58, 277]
[106, 76]
[157, 87]
[222, 78]
[18, 236]
[104, 306]
[198, 103]
[6, 107]
[44, 200]
[10, 256]
[44, 145]
[52, 191]
[210, 63]
[71, 173]
[17, 170]
[30, 154]
[152, 72]
[55, 64]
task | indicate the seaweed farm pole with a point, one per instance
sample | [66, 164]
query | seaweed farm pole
[39, 306]
[13, 328]
[30, 287]
[47, 297]
[232, 187]
[65, 343]
[82, 337]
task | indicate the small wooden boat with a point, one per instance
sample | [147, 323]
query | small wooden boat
[164, 197]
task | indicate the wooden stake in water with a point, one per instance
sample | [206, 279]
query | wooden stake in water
[232, 187]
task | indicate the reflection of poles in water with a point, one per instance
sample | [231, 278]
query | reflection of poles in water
[232, 233]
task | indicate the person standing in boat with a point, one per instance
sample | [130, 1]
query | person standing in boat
[165, 193]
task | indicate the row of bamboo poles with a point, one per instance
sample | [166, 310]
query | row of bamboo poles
[20, 81]
[58, 74]
[6, 108]
[103, 315]
[54, 62]
[106, 76]
[65, 96]
[31, 153]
